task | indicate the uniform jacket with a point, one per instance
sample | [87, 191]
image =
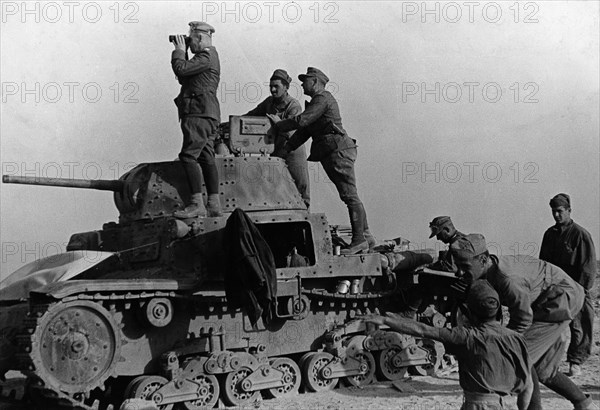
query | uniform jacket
[571, 248]
[199, 79]
[446, 261]
[523, 282]
[250, 275]
[288, 107]
[491, 358]
[322, 121]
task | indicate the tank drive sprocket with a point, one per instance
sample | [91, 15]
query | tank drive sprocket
[73, 347]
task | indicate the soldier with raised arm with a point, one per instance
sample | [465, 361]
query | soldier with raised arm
[284, 106]
[492, 360]
[200, 114]
[332, 147]
[541, 299]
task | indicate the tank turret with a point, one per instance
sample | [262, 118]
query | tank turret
[154, 190]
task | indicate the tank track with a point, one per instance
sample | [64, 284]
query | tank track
[50, 397]
[40, 392]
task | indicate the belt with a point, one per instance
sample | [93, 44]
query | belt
[479, 397]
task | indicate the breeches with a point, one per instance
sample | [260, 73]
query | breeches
[198, 139]
[339, 167]
[546, 343]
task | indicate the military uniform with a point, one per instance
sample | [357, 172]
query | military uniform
[520, 281]
[570, 247]
[446, 262]
[287, 107]
[321, 121]
[199, 111]
[493, 362]
[542, 299]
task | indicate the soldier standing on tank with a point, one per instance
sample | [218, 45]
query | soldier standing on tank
[541, 299]
[284, 106]
[332, 147]
[570, 247]
[200, 114]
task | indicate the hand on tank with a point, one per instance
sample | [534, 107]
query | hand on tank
[274, 118]
[179, 42]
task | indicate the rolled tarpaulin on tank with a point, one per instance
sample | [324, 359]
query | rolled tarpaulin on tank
[51, 269]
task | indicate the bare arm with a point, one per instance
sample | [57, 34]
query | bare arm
[404, 325]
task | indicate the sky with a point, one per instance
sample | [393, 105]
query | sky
[481, 111]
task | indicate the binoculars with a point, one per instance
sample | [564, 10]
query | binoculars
[172, 39]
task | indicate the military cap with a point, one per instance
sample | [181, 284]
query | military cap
[437, 224]
[483, 300]
[314, 72]
[560, 200]
[468, 246]
[200, 26]
[282, 75]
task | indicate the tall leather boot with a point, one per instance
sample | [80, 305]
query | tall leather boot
[368, 235]
[214, 205]
[193, 210]
[357, 221]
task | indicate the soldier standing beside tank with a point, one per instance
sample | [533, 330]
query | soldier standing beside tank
[284, 106]
[332, 147]
[570, 247]
[541, 299]
[200, 114]
[492, 360]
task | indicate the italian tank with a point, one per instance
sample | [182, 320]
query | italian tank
[139, 308]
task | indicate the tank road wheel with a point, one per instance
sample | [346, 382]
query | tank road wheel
[303, 359]
[312, 372]
[143, 387]
[75, 346]
[385, 367]
[208, 387]
[291, 378]
[368, 360]
[232, 392]
[435, 355]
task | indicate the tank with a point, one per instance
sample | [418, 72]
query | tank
[140, 308]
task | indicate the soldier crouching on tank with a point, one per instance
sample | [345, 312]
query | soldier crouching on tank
[283, 105]
[443, 229]
[200, 114]
[492, 360]
[332, 147]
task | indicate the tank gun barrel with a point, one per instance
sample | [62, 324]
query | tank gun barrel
[100, 184]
